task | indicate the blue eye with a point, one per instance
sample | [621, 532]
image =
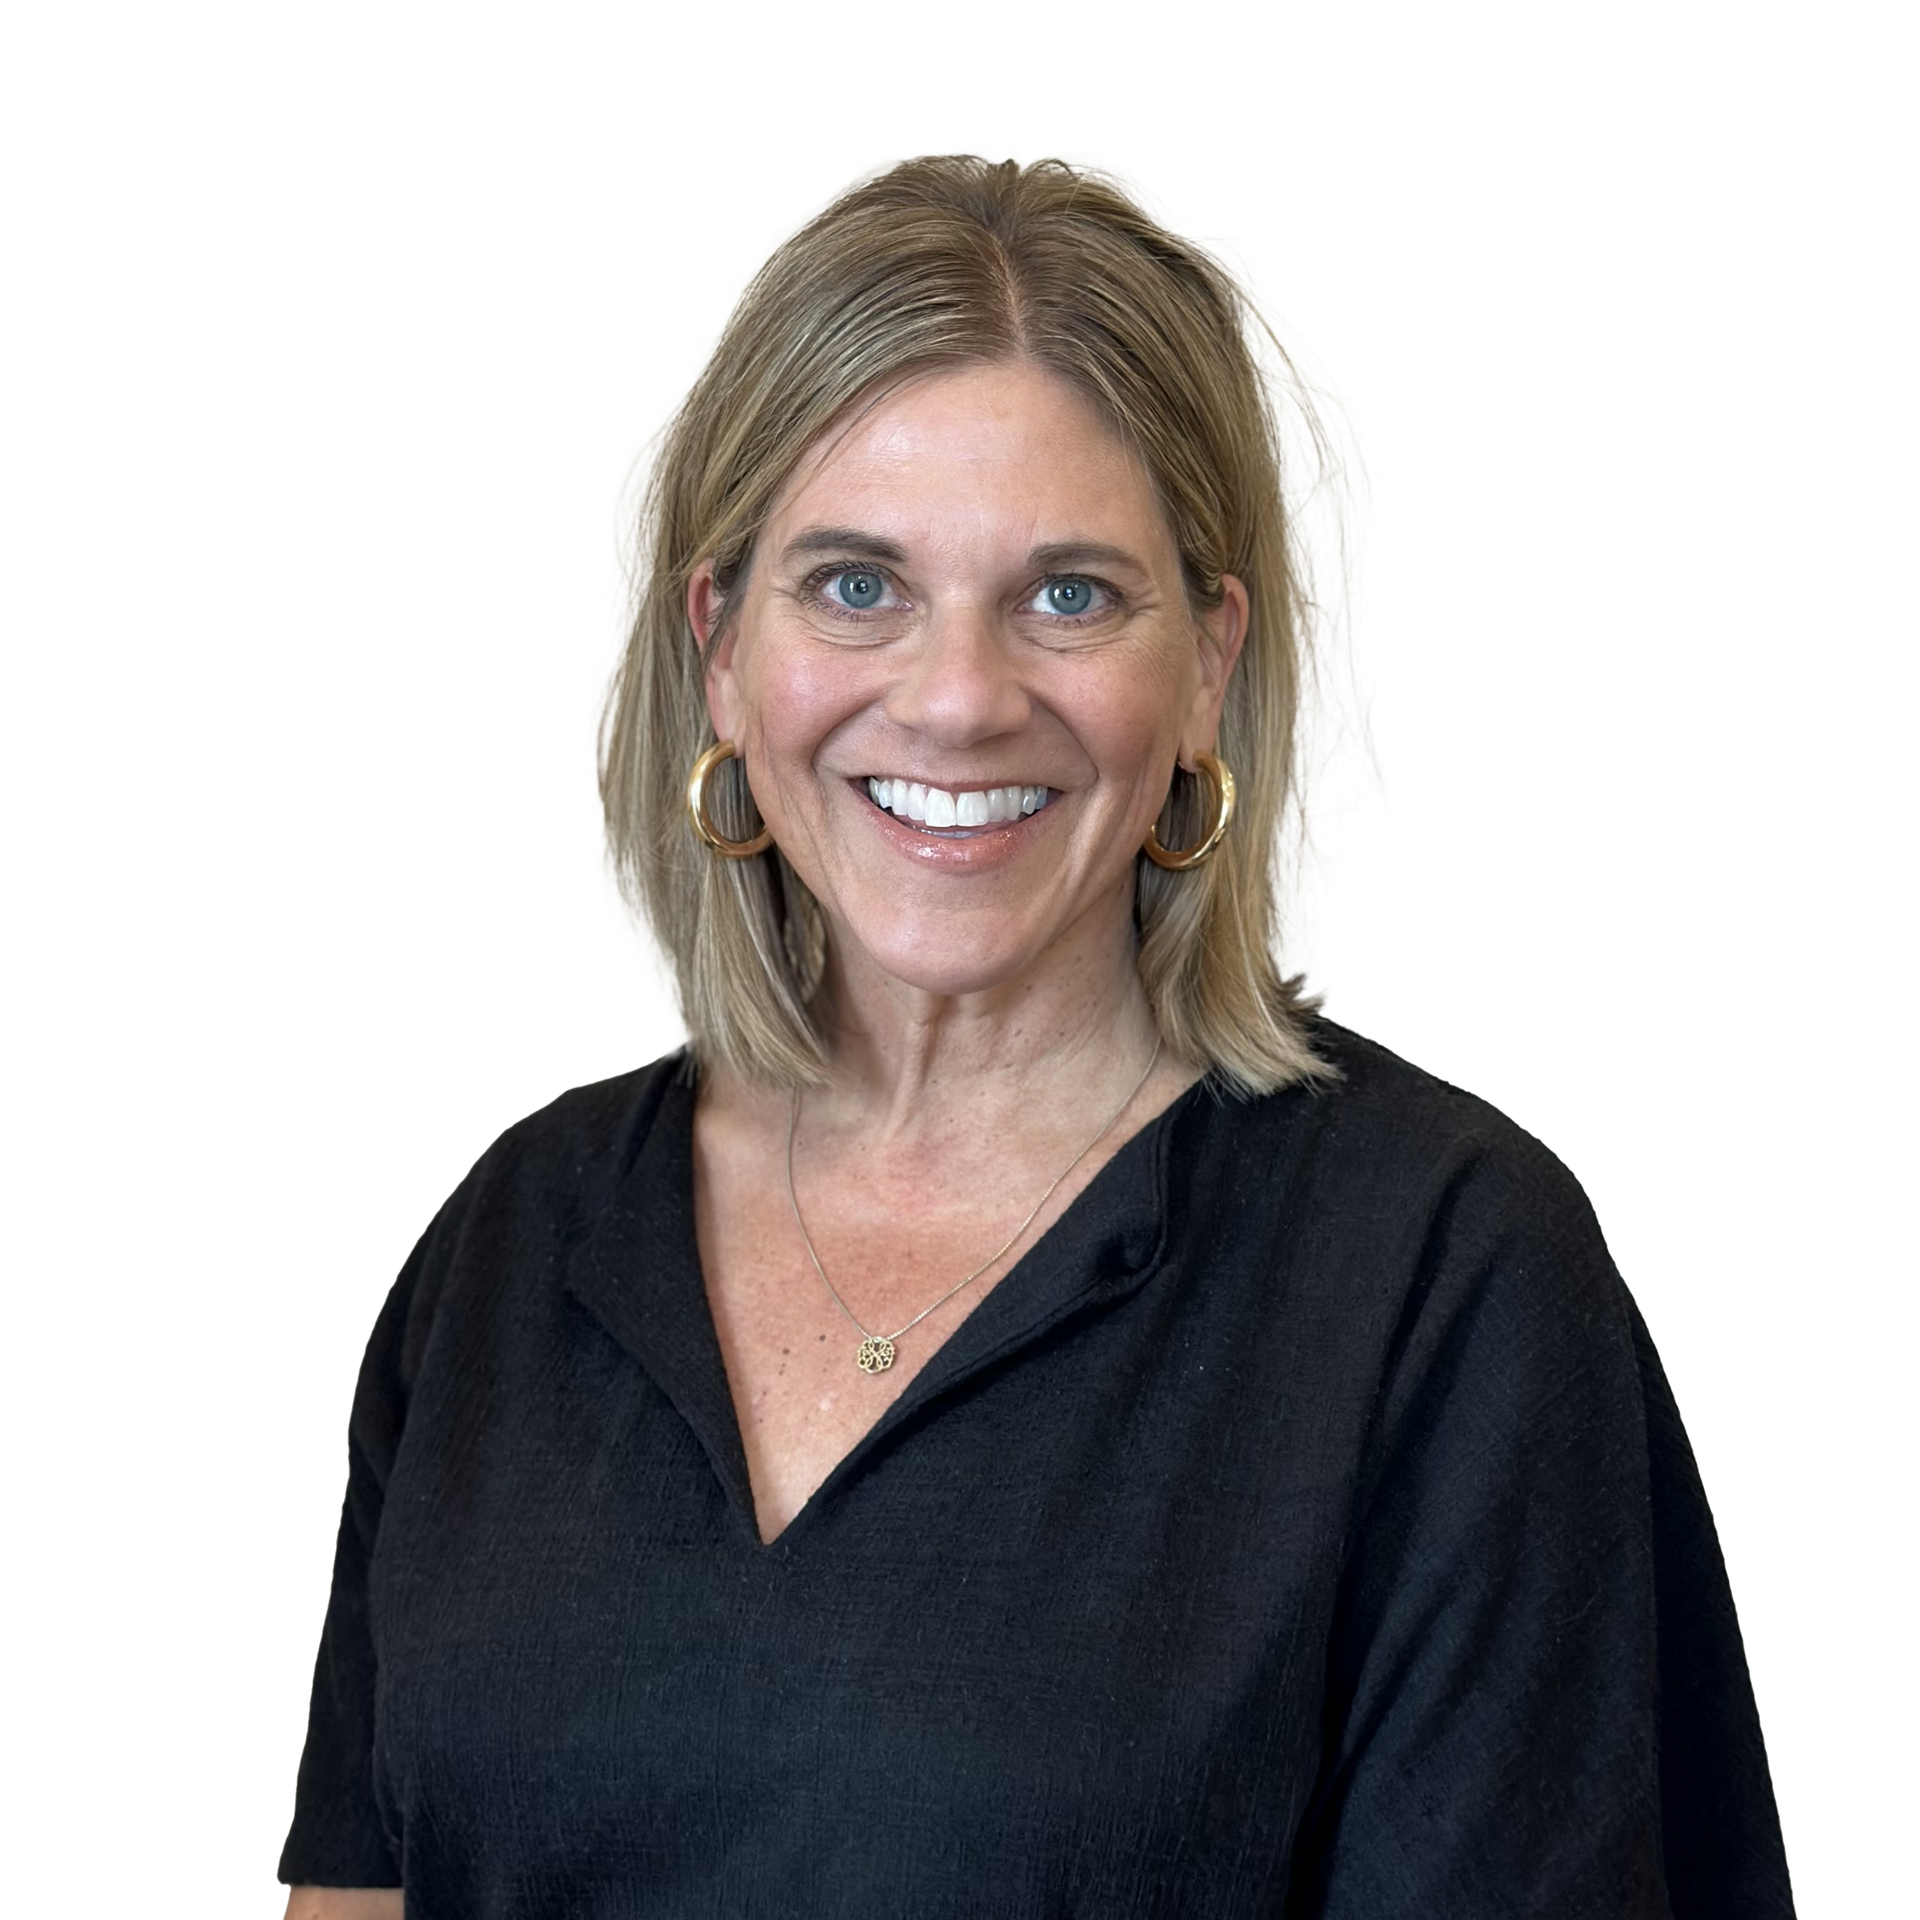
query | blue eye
[858, 589]
[847, 590]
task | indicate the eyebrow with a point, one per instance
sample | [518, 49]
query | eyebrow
[1054, 556]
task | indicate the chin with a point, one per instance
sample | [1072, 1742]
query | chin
[952, 976]
[947, 957]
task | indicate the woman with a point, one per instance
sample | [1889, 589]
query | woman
[1023, 1417]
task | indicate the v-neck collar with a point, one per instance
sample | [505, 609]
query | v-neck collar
[637, 1269]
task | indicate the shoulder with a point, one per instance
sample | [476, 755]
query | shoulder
[536, 1189]
[568, 1151]
[1382, 1140]
[1410, 1223]
[1431, 1254]
[1508, 1309]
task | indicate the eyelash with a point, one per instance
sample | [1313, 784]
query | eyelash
[815, 584]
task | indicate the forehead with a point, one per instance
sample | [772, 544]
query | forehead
[986, 453]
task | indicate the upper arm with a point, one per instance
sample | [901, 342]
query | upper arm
[345, 1903]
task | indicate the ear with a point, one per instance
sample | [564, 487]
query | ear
[1223, 632]
[705, 607]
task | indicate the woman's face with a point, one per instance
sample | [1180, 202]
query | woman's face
[960, 671]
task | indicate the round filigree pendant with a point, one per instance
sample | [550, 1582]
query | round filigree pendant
[875, 1355]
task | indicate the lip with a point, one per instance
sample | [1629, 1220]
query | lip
[978, 850]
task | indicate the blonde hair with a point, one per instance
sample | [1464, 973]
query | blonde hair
[941, 262]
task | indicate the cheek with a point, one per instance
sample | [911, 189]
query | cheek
[819, 678]
[1130, 723]
[793, 698]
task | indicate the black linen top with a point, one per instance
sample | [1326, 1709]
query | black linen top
[1303, 1528]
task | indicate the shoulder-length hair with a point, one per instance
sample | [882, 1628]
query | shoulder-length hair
[941, 262]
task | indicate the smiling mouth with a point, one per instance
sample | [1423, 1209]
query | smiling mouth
[939, 810]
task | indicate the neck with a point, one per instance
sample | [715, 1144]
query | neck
[1068, 1034]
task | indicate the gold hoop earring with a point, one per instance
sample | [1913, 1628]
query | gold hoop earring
[702, 821]
[1219, 777]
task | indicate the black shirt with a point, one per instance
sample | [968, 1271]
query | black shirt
[1303, 1527]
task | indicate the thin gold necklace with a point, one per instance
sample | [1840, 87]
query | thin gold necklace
[876, 1350]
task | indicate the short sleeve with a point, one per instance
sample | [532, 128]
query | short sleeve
[1537, 1703]
[338, 1838]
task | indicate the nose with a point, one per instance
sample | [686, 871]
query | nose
[960, 685]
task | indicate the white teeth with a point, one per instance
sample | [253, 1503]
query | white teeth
[939, 807]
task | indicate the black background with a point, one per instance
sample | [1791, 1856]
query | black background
[1540, 926]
